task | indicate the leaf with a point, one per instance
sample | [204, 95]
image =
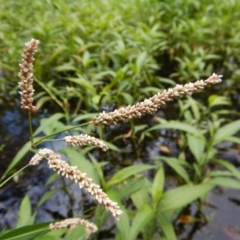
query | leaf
[178, 126]
[27, 233]
[215, 100]
[167, 227]
[53, 235]
[18, 157]
[78, 233]
[84, 84]
[140, 220]
[212, 57]
[112, 146]
[47, 125]
[216, 173]
[127, 172]
[225, 182]
[123, 224]
[196, 146]
[43, 100]
[25, 213]
[47, 195]
[226, 131]
[99, 170]
[175, 164]
[158, 186]
[52, 178]
[233, 139]
[181, 196]
[141, 197]
[130, 186]
[86, 58]
[77, 159]
[57, 52]
[229, 166]
[65, 67]
[85, 116]
[141, 60]
[127, 97]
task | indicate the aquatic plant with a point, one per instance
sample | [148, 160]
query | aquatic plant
[148, 106]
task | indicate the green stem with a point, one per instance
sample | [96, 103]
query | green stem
[50, 93]
[30, 128]
[45, 137]
[13, 175]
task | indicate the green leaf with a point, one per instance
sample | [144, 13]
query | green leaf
[141, 60]
[141, 197]
[229, 166]
[53, 235]
[233, 139]
[42, 100]
[167, 227]
[196, 146]
[47, 125]
[83, 83]
[85, 116]
[128, 98]
[52, 178]
[77, 159]
[127, 172]
[175, 164]
[27, 233]
[218, 173]
[25, 213]
[98, 168]
[78, 233]
[123, 224]
[225, 182]
[140, 220]
[178, 126]
[215, 100]
[112, 146]
[130, 186]
[181, 196]
[21, 153]
[226, 131]
[47, 195]
[158, 186]
[65, 67]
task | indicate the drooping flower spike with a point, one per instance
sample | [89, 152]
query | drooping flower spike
[71, 172]
[150, 105]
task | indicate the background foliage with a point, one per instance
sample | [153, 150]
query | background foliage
[100, 55]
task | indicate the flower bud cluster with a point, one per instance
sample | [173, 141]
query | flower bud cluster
[26, 75]
[150, 106]
[74, 222]
[71, 172]
[84, 139]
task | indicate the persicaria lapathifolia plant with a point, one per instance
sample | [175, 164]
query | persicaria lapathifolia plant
[148, 106]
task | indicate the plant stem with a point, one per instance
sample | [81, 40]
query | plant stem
[30, 128]
[50, 93]
[13, 175]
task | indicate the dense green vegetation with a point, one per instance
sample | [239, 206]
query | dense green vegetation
[100, 55]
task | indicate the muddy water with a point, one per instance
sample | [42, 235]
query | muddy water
[224, 216]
